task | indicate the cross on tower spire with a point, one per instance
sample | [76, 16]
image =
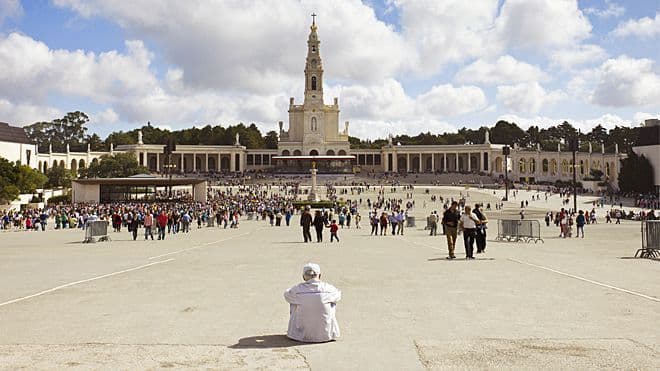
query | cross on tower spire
[313, 18]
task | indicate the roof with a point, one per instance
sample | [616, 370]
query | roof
[13, 134]
[142, 181]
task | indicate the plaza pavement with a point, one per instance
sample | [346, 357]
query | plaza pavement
[212, 299]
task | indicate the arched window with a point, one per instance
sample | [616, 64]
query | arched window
[286, 153]
[313, 82]
[314, 125]
[341, 152]
[330, 152]
[313, 152]
[545, 165]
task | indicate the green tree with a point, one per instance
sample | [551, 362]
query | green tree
[95, 143]
[69, 129]
[271, 140]
[8, 189]
[507, 133]
[636, 174]
[58, 176]
[118, 165]
[29, 179]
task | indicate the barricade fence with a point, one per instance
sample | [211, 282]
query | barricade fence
[515, 230]
[650, 240]
[96, 228]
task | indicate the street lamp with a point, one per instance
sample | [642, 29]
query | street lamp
[506, 151]
[169, 148]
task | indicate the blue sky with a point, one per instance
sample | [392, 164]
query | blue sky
[397, 66]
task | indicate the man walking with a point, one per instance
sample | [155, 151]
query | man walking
[450, 222]
[468, 224]
[433, 224]
[148, 223]
[306, 223]
[162, 224]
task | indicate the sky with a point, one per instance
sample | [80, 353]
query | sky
[397, 66]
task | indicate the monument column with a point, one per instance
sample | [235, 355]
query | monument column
[232, 162]
[433, 162]
[395, 162]
[469, 162]
[157, 161]
[194, 158]
[206, 163]
[181, 168]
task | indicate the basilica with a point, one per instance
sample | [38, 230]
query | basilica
[314, 137]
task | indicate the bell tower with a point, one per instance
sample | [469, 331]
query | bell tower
[313, 68]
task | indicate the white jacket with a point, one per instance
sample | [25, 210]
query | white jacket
[312, 310]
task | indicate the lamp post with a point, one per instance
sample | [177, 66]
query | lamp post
[506, 151]
[169, 148]
[574, 146]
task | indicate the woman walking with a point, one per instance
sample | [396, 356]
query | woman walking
[468, 224]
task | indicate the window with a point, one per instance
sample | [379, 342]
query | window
[313, 82]
[313, 48]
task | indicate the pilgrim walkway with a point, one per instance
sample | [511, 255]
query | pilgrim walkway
[213, 298]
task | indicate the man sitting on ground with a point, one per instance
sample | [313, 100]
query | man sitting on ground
[312, 308]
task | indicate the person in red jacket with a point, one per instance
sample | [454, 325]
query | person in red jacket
[162, 224]
[333, 231]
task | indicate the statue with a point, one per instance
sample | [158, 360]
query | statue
[281, 126]
[616, 147]
[602, 147]
[538, 147]
[590, 149]
[346, 128]
[389, 140]
[559, 147]
[140, 137]
[238, 142]
[487, 135]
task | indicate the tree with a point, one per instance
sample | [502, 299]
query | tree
[119, 165]
[95, 143]
[636, 174]
[58, 176]
[8, 189]
[271, 140]
[70, 130]
[507, 133]
[29, 179]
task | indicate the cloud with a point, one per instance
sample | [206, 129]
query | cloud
[505, 70]
[643, 28]
[447, 100]
[367, 129]
[25, 114]
[612, 10]
[10, 9]
[623, 81]
[527, 97]
[579, 55]
[539, 24]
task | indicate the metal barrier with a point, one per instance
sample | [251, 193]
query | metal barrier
[210, 221]
[515, 230]
[96, 228]
[650, 240]
[410, 222]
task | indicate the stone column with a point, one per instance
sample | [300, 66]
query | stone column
[421, 167]
[217, 163]
[181, 168]
[157, 161]
[395, 162]
[232, 162]
[433, 162]
[194, 162]
[444, 162]
[469, 162]
[206, 163]
[407, 162]
[384, 160]
[457, 169]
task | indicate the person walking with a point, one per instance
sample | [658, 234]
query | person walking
[383, 223]
[334, 228]
[480, 236]
[148, 223]
[579, 222]
[318, 225]
[162, 224]
[133, 225]
[433, 224]
[306, 223]
[468, 224]
[450, 220]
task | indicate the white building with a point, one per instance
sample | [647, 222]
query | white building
[15, 145]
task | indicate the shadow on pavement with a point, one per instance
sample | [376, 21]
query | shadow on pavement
[265, 341]
[456, 260]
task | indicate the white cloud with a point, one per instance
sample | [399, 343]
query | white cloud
[527, 97]
[10, 9]
[640, 117]
[612, 10]
[107, 116]
[447, 31]
[25, 114]
[505, 70]
[367, 129]
[579, 55]
[623, 81]
[540, 24]
[644, 27]
[447, 100]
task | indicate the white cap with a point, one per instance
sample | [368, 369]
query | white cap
[311, 269]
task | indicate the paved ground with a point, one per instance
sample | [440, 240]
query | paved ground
[213, 299]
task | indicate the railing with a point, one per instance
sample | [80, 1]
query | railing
[515, 230]
[650, 240]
